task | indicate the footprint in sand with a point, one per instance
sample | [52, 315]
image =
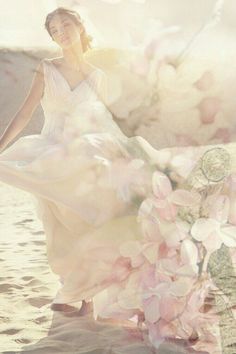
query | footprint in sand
[11, 331]
[23, 221]
[39, 243]
[40, 320]
[38, 233]
[23, 341]
[22, 244]
[7, 287]
[27, 278]
[38, 302]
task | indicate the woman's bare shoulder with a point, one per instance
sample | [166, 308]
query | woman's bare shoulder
[55, 61]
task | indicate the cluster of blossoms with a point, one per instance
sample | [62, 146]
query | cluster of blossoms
[164, 275]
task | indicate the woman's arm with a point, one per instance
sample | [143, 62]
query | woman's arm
[24, 114]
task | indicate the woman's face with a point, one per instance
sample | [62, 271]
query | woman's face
[64, 31]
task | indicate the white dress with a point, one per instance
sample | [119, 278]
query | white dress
[83, 199]
[128, 225]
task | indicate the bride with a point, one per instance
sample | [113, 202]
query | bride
[74, 167]
[129, 229]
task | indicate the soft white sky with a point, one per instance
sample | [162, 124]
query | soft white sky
[22, 21]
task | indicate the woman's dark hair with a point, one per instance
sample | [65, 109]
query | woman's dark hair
[75, 17]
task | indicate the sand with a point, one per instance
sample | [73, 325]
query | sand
[27, 288]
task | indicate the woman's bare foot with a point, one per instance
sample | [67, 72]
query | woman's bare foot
[63, 308]
[86, 308]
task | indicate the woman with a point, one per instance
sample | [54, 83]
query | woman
[63, 171]
[126, 225]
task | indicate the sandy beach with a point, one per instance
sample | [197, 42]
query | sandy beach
[27, 288]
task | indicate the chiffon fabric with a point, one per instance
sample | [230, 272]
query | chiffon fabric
[132, 227]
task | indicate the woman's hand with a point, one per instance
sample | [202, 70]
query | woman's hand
[24, 114]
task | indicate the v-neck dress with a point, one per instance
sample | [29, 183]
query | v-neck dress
[123, 222]
[76, 170]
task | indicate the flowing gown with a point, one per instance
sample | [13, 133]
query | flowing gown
[128, 225]
[83, 199]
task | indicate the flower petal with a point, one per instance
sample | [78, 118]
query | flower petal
[151, 309]
[181, 287]
[220, 209]
[130, 249]
[161, 185]
[145, 208]
[151, 253]
[171, 307]
[228, 235]
[129, 299]
[202, 228]
[189, 252]
[184, 198]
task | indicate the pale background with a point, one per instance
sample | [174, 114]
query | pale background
[27, 285]
[22, 21]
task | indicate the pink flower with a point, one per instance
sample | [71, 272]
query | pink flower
[215, 230]
[223, 134]
[209, 107]
[206, 81]
[166, 200]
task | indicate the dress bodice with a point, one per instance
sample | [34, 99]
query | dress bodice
[80, 109]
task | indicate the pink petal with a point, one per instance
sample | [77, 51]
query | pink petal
[213, 242]
[171, 307]
[150, 231]
[122, 268]
[130, 249]
[223, 134]
[129, 299]
[220, 209]
[150, 251]
[189, 252]
[185, 198]
[166, 210]
[161, 330]
[161, 185]
[138, 261]
[202, 228]
[145, 208]
[209, 107]
[163, 251]
[205, 82]
[173, 239]
[148, 277]
[232, 212]
[169, 266]
[151, 309]
[188, 270]
[183, 228]
[228, 235]
[181, 287]
[166, 228]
